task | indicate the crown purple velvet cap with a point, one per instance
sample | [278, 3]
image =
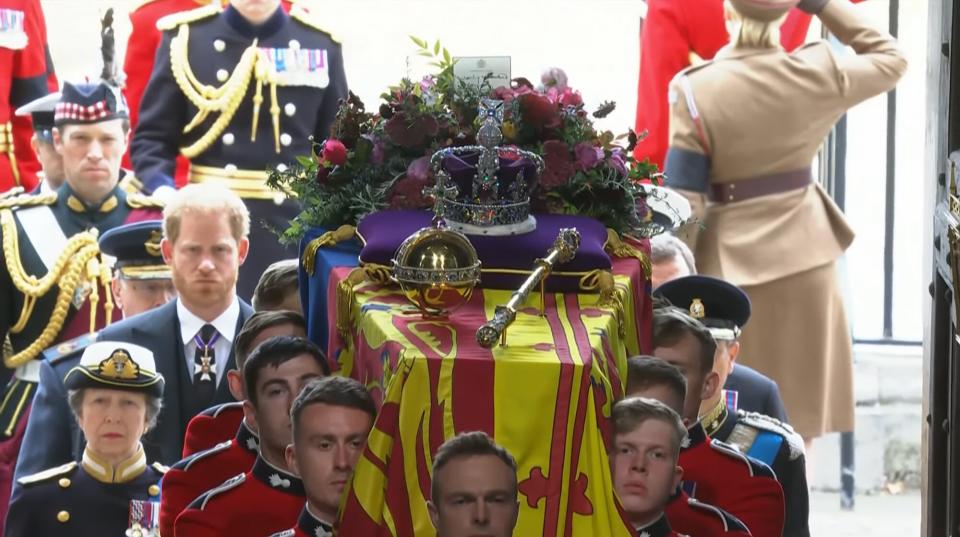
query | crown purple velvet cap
[506, 260]
[505, 200]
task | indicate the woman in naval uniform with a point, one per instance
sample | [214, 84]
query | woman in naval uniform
[744, 130]
[115, 394]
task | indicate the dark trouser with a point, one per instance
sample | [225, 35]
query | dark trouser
[265, 248]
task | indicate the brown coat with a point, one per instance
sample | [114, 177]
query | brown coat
[756, 112]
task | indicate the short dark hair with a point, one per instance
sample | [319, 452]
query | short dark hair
[335, 391]
[670, 325]
[258, 322]
[470, 444]
[280, 280]
[274, 352]
[646, 371]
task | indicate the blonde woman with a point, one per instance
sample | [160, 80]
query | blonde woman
[744, 130]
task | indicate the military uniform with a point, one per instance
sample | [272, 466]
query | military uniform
[236, 99]
[673, 32]
[693, 517]
[745, 128]
[213, 426]
[262, 501]
[96, 496]
[776, 445]
[26, 73]
[41, 113]
[75, 499]
[56, 285]
[140, 53]
[718, 474]
[202, 471]
[308, 526]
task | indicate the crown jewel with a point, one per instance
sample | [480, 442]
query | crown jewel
[485, 189]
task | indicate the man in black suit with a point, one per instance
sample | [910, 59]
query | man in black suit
[205, 242]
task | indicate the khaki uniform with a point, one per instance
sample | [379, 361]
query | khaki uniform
[747, 119]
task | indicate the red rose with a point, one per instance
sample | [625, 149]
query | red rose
[334, 152]
[539, 112]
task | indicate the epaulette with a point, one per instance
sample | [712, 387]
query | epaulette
[160, 468]
[15, 191]
[130, 184]
[301, 14]
[28, 200]
[174, 20]
[48, 474]
[730, 522]
[757, 468]
[693, 68]
[185, 464]
[230, 484]
[773, 425]
[139, 201]
[58, 352]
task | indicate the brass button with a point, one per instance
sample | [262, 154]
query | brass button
[153, 490]
[64, 482]
[63, 516]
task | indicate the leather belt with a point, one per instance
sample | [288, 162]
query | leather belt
[248, 184]
[765, 185]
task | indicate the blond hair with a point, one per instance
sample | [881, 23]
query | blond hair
[630, 413]
[206, 198]
[753, 33]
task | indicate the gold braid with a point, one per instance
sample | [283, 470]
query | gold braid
[224, 99]
[66, 273]
[68, 284]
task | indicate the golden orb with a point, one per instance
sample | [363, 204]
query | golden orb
[437, 268]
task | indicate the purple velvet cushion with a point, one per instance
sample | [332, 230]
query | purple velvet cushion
[507, 261]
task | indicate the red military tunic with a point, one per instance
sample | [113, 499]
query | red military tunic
[138, 62]
[307, 526]
[720, 475]
[659, 528]
[692, 517]
[202, 471]
[213, 426]
[26, 73]
[674, 29]
[262, 501]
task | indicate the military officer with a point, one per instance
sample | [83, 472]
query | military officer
[41, 111]
[115, 394]
[142, 50]
[26, 73]
[56, 284]
[763, 201]
[236, 90]
[724, 309]
[141, 280]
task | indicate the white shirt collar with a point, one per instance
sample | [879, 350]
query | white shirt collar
[226, 323]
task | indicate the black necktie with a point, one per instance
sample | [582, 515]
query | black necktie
[205, 365]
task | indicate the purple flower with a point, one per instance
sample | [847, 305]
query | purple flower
[588, 155]
[618, 162]
[419, 169]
